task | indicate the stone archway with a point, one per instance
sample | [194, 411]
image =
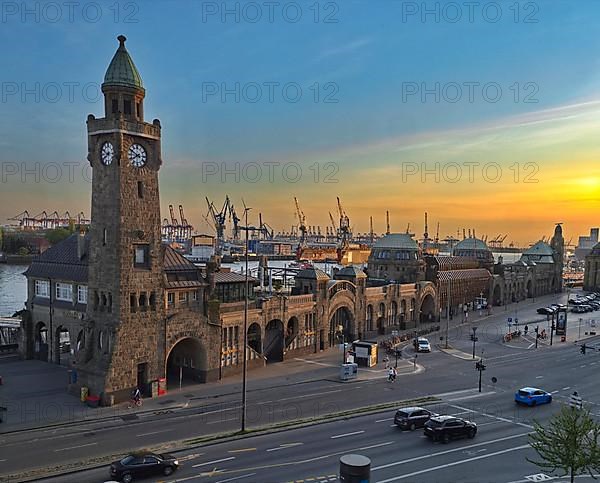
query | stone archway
[187, 362]
[341, 316]
[62, 346]
[254, 338]
[497, 295]
[40, 345]
[274, 341]
[291, 331]
[427, 310]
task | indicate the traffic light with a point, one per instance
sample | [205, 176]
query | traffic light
[479, 366]
[583, 348]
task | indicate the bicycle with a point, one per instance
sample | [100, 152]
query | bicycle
[135, 402]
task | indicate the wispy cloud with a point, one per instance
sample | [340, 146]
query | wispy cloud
[348, 48]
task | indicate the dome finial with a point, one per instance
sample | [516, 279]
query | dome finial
[121, 39]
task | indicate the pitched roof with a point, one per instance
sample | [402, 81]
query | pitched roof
[313, 274]
[61, 262]
[352, 271]
[232, 277]
[122, 71]
[174, 261]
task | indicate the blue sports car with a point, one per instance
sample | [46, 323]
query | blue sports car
[532, 396]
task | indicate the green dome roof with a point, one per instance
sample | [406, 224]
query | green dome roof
[122, 71]
[471, 244]
[399, 241]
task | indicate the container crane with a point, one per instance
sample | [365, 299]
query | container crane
[218, 221]
[345, 231]
[301, 222]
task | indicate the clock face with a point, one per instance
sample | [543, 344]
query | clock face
[107, 153]
[137, 155]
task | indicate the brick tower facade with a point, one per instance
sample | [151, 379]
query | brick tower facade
[125, 263]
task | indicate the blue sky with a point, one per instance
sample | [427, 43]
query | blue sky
[362, 61]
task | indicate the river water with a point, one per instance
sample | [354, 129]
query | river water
[13, 284]
[13, 288]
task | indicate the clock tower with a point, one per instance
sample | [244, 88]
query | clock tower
[125, 304]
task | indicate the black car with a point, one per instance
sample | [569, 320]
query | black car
[445, 428]
[143, 465]
[412, 417]
[546, 310]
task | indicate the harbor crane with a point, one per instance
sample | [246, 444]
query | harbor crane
[301, 222]
[345, 231]
[218, 221]
[264, 229]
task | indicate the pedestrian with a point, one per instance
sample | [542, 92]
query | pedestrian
[386, 361]
[526, 329]
[395, 373]
[391, 374]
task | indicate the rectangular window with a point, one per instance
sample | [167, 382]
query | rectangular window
[141, 259]
[42, 288]
[82, 292]
[104, 237]
[64, 291]
[127, 107]
[115, 106]
[183, 297]
[140, 189]
[170, 298]
[194, 296]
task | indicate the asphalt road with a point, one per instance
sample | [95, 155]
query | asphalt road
[497, 454]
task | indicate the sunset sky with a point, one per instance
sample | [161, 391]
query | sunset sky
[529, 154]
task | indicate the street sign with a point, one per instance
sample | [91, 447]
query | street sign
[509, 320]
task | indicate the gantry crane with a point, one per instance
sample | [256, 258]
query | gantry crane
[345, 231]
[301, 221]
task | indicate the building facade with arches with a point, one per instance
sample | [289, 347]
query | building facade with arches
[123, 310]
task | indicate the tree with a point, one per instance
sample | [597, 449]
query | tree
[57, 235]
[569, 444]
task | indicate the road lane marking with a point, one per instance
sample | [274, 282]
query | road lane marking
[539, 377]
[455, 463]
[462, 412]
[285, 446]
[75, 447]
[212, 462]
[222, 420]
[504, 420]
[155, 432]
[236, 478]
[309, 395]
[554, 392]
[471, 396]
[531, 345]
[190, 457]
[566, 388]
[346, 434]
[376, 445]
[243, 450]
[439, 453]
[382, 420]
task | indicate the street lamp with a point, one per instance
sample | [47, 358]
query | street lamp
[245, 363]
[474, 339]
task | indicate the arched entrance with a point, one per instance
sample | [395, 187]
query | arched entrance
[62, 344]
[291, 331]
[497, 295]
[187, 362]
[40, 346]
[342, 316]
[427, 312]
[254, 338]
[381, 319]
[274, 341]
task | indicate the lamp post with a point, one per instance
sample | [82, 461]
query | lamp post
[448, 314]
[245, 363]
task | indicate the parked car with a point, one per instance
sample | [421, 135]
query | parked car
[423, 345]
[445, 428]
[559, 306]
[532, 396]
[143, 465]
[412, 417]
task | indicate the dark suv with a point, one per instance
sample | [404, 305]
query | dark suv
[445, 428]
[411, 418]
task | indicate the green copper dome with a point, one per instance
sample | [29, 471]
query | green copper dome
[122, 71]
